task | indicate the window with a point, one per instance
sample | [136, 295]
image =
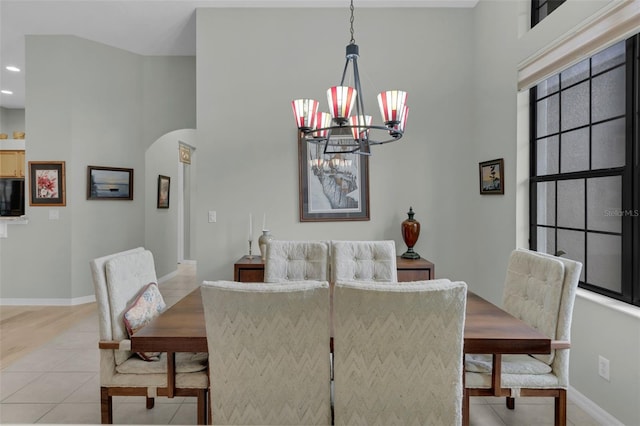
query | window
[540, 9]
[585, 176]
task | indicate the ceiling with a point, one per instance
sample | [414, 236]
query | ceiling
[145, 27]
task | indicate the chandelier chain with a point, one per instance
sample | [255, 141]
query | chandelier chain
[353, 41]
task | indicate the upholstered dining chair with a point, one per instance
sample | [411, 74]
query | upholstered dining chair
[296, 261]
[363, 261]
[268, 346]
[539, 289]
[398, 352]
[118, 281]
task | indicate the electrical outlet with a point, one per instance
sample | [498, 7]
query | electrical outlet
[603, 367]
[212, 216]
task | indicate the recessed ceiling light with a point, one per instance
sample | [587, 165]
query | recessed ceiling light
[6, 92]
[13, 68]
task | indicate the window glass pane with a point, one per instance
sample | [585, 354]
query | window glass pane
[608, 95]
[575, 106]
[604, 261]
[571, 203]
[553, 5]
[576, 73]
[547, 116]
[608, 58]
[546, 203]
[546, 240]
[548, 86]
[542, 12]
[572, 243]
[575, 151]
[547, 156]
[604, 203]
[608, 144]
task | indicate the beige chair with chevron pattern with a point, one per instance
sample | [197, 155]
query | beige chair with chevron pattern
[539, 289]
[268, 346]
[398, 352]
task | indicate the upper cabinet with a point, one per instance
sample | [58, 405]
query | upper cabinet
[12, 163]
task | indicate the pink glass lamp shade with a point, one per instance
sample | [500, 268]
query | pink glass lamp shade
[323, 121]
[360, 126]
[305, 112]
[341, 100]
[392, 104]
[399, 128]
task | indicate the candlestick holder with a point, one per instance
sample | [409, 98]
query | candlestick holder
[250, 255]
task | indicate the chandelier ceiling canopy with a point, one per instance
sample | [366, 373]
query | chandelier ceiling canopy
[347, 128]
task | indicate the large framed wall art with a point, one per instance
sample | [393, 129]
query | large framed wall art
[333, 187]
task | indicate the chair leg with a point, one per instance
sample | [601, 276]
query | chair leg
[151, 402]
[202, 407]
[511, 403]
[561, 408]
[465, 408]
[106, 406]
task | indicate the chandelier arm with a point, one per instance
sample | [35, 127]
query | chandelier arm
[344, 72]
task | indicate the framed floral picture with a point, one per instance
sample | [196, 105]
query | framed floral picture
[492, 177]
[47, 181]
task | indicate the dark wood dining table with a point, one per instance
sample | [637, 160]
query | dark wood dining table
[488, 330]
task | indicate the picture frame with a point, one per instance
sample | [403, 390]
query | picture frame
[492, 177]
[47, 183]
[332, 187]
[164, 186]
[109, 183]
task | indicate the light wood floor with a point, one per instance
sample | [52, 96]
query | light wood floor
[25, 328]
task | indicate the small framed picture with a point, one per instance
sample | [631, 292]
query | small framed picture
[47, 183]
[109, 183]
[164, 184]
[492, 177]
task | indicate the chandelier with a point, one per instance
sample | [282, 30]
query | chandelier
[338, 130]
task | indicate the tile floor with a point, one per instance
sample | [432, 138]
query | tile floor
[58, 383]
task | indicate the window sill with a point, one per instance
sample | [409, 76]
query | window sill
[608, 302]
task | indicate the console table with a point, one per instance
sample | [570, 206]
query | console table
[252, 270]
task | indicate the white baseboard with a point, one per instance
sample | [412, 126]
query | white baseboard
[188, 262]
[167, 277]
[48, 302]
[592, 409]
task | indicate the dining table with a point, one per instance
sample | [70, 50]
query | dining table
[488, 330]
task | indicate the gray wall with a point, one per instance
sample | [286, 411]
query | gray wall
[247, 136]
[90, 104]
[161, 230]
[11, 120]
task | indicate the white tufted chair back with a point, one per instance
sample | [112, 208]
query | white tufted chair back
[296, 261]
[398, 352]
[268, 352]
[113, 328]
[539, 289]
[118, 279]
[363, 261]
